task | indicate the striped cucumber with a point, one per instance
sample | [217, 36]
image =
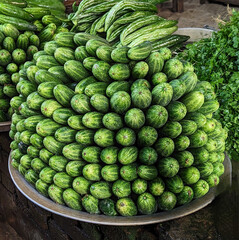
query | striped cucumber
[138, 24]
[127, 5]
[153, 36]
[144, 30]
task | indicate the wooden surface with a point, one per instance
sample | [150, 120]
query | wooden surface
[178, 5]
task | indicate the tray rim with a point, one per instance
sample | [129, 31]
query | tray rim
[160, 217]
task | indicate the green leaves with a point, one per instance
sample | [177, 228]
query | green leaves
[216, 60]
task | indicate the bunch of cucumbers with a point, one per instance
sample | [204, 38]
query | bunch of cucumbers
[31, 15]
[115, 130]
[126, 23]
[15, 49]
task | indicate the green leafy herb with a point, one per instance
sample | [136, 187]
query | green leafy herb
[216, 60]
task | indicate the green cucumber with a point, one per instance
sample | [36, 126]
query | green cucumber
[74, 168]
[92, 172]
[140, 52]
[126, 207]
[65, 135]
[90, 204]
[101, 70]
[100, 190]
[81, 185]
[49, 106]
[168, 167]
[52, 145]
[75, 70]
[73, 151]
[146, 204]
[139, 186]
[156, 116]
[157, 186]
[147, 172]
[162, 94]
[134, 118]
[119, 72]
[64, 54]
[75, 122]
[47, 175]
[120, 102]
[193, 101]
[72, 199]
[63, 94]
[147, 136]
[56, 194]
[120, 55]
[62, 180]
[189, 175]
[185, 196]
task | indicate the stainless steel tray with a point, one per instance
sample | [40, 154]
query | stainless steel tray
[5, 126]
[29, 192]
[195, 34]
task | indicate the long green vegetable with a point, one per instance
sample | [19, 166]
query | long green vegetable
[132, 16]
[149, 28]
[100, 24]
[20, 24]
[89, 19]
[85, 4]
[128, 5]
[169, 41]
[116, 33]
[127, 18]
[14, 11]
[101, 8]
[38, 12]
[92, 28]
[153, 36]
[50, 4]
[18, 3]
[137, 25]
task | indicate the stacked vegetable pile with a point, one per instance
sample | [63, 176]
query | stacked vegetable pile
[31, 15]
[216, 60]
[115, 130]
[28, 32]
[16, 49]
[126, 23]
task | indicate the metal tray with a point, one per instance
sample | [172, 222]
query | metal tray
[29, 192]
[195, 34]
[5, 126]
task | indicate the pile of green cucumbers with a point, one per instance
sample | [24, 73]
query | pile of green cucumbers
[115, 130]
[126, 23]
[25, 27]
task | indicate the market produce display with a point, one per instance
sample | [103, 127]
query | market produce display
[16, 49]
[31, 15]
[216, 60]
[126, 23]
[26, 27]
[115, 130]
